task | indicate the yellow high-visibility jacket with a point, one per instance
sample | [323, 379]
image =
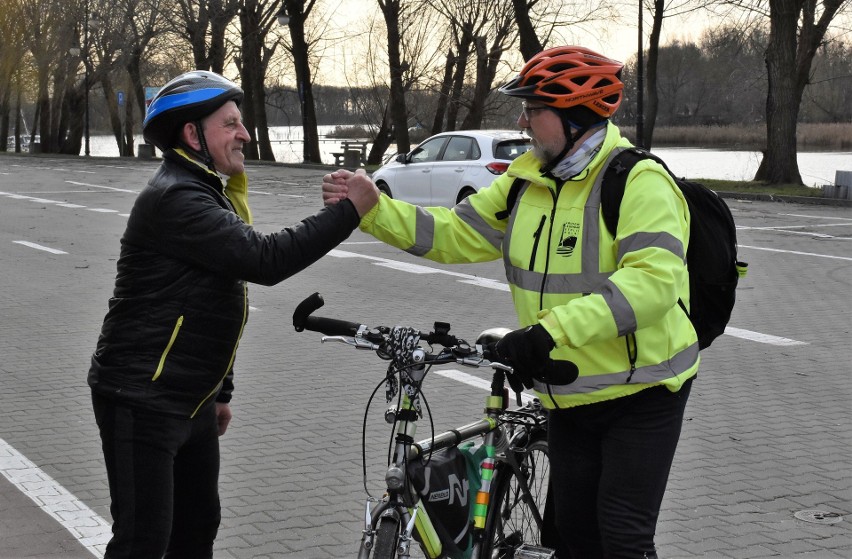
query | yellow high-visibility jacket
[609, 304]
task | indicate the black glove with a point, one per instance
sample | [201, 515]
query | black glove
[528, 352]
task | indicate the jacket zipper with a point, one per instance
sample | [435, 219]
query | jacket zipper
[537, 237]
[554, 195]
[233, 353]
[162, 362]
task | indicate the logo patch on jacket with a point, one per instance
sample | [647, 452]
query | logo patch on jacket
[568, 239]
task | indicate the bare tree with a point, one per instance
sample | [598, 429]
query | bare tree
[45, 42]
[420, 30]
[393, 12]
[12, 53]
[203, 23]
[530, 44]
[298, 12]
[660, 10]
[444, 92]
[547, 23]
[463, 39]
[141, 23]
[489, 45]
[797, 28]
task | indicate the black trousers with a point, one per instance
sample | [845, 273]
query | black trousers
[163, 480]
[609, 465]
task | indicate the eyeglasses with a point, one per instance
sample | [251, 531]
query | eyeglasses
[529, 112]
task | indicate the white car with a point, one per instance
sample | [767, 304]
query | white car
[448, 167]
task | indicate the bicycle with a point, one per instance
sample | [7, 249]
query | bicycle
[508, 512]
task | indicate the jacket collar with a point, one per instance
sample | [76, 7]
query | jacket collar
[528, 167]
[183, 159]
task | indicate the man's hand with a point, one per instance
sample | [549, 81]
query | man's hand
[528, 352]
[357, 186]
[334, 187]
[223, 417]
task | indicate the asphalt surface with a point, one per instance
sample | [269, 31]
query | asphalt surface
[764, 467]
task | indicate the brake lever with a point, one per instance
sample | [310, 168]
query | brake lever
[358, 343]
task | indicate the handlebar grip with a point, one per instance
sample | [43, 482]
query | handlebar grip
[560, 372]
[330, 326]
[302, 319]
[304, 309]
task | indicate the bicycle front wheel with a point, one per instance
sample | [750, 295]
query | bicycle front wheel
[511, 522]
[387, 537]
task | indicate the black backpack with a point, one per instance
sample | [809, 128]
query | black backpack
[712, 254]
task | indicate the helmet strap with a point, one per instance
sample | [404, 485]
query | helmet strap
[570, 142]
[203, 154]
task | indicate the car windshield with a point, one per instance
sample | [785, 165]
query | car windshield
[510, 149]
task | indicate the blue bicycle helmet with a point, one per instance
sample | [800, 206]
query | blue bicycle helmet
[187, 98]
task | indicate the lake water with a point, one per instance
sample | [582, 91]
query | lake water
[816, 168]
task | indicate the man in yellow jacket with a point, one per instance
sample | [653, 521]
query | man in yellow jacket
[609, 305]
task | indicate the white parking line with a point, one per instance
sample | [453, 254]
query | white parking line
[62, 204]
[761, 338]
[476, 382]
[818, 217]
[40, 247]
[789, 229]
[500, 286]
[798, 252]
[419, 269]
[104, 187]
[82, 522]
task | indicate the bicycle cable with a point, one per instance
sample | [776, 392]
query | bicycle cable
[364, 438]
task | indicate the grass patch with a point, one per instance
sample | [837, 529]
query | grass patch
[828, 136]
[756, 187]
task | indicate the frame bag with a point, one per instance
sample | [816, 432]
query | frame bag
[441, 480]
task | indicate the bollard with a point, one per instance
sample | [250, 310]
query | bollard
[351, 158]
[146, 151]
[843, 180]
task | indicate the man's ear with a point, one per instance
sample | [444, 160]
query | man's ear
[189, 134]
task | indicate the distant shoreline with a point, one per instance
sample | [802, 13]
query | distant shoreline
[810, 136]
[824, 137]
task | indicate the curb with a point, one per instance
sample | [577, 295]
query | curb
[813, 200]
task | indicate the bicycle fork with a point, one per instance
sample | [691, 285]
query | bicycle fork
[399, 515]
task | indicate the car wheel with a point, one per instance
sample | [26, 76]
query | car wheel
[465, 192]
[384, 188]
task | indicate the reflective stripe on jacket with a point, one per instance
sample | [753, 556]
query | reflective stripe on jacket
[592, 293]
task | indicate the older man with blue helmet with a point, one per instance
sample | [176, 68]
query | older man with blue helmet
[162, 372]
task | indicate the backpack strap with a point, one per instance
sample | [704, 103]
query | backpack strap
[614, 182]
[511, 198]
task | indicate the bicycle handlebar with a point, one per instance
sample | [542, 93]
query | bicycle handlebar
[328, 326]
[457, 350]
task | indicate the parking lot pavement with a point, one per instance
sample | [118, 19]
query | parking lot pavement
[764, 468]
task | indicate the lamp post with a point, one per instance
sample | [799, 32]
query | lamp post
[640, 85]
[91, 23]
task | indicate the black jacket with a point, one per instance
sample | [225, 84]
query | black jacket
[180, 303]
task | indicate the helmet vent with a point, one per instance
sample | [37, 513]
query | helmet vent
[555, 89]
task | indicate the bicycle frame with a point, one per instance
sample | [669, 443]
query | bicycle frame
[406, 507]
[512, 439]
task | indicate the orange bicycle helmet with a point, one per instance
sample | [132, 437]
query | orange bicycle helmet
[565, 77]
